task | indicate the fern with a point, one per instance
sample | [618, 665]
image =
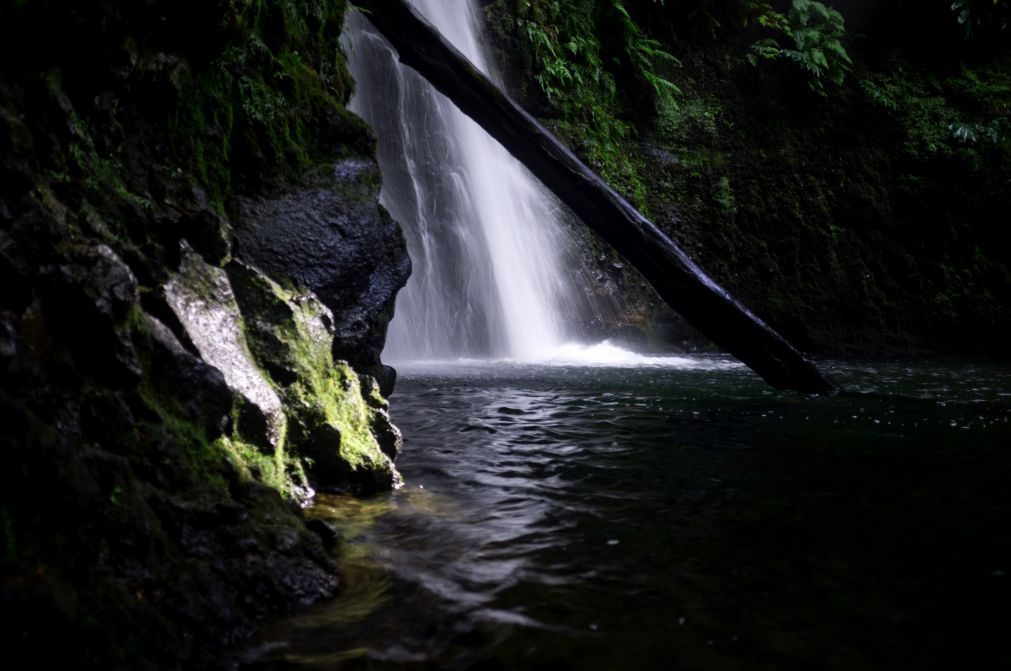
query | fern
[569, 68]
[643, 53]
[878, 96]
[815, 33]
[975, 133]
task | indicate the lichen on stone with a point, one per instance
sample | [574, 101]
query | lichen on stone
[129, 360]
[203, 301]
[330, 422]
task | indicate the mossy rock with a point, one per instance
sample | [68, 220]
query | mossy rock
[334, 415]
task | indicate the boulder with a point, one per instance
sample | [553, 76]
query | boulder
[202, 299]
[331, 237]
[86, 300]
[336, 418]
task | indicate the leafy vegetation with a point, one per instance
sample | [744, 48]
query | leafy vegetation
[864, 215]
[982, 19]
[961, 114]
[815, 33]
[274, 96]
[126, 128]
[589, 75]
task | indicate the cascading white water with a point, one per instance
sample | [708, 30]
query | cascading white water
[486, 239]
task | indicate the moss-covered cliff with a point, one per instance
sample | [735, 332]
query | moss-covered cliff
[196, 283]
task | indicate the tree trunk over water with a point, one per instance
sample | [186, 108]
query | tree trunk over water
[676, 278]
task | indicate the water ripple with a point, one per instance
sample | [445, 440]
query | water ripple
[654, 518]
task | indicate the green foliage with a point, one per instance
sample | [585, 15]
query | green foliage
[570, 71]
[973, 133]
[878, 95]
[98, 172]
[272, 100]
[724, 195]
[815, 33]
[980, 19]
[683, 125]
[643, 53]
[959, 115]
[703, 19]
[586, 74]
[567, 55]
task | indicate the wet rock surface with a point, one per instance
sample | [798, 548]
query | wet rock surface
[203, 302]
[334, 416]
[128, 526]
[158, 391]
[331, 237]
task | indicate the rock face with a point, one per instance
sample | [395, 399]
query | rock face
[196, 281]
[859, 222]
[328, 238]
[203, 302]
[331, 413]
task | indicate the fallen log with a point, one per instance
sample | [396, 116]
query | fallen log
[676, 278]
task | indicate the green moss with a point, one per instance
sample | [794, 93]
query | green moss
[99, 174]
[253, 464]
[171, 418]
[330, 390]
[345, 408]
[272, 104]
[118, 126]
[205, 112]
[724, 196]
[693, 118]
[287, 334]
[172, 421]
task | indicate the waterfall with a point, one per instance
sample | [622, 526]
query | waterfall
[492, 269]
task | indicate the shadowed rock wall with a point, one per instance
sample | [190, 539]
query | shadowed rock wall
[196, 280]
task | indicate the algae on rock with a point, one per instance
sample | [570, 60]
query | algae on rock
[330, 409]
[294, 403]
[131, 351]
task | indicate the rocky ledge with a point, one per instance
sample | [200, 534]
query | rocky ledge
[197, 279]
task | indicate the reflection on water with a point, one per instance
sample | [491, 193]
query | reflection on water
[676, 517]
[604, 354]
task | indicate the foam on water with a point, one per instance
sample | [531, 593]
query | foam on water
[608, 354]
[605, 354]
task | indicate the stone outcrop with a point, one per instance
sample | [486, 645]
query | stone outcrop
[327, 237]
[170, 391]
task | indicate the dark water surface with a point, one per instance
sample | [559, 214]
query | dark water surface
[677, 517]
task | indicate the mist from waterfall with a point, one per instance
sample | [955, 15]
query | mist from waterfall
[492, 271]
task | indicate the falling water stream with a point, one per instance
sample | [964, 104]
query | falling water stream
[487, 240]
